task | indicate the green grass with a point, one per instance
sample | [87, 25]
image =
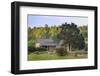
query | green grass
[46, 56]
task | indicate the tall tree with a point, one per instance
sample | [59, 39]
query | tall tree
[47, 31]
[29, 33]
[70, 34]
[84, 31]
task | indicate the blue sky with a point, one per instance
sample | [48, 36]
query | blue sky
[40, 20]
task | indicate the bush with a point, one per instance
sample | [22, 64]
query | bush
[31, 49]
[41, 49]
[34, 49]
[61, 51]
[31, 43]
[86, 47]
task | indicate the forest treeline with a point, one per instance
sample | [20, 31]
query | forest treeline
[70, 33]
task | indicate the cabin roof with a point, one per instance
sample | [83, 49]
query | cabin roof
[47, 42]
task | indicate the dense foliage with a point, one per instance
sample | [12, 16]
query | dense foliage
[74, 37]
[43, 32]
[84, 30]
[34, 49]
[61, 51]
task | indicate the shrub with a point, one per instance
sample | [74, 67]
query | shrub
[86, 47]
[41, 49]
[61, 51]
[34, 49]
[31, 43]
[31, 49]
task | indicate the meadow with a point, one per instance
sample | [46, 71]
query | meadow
[46, 56]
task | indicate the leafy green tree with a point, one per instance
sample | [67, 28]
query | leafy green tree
[47, 31]
[70, 34]
[29, 33]
[84, 31]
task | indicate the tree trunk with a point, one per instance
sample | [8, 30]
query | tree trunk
[70, 47]
[66, 47]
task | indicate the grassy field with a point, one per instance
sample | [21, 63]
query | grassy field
[46, 56]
